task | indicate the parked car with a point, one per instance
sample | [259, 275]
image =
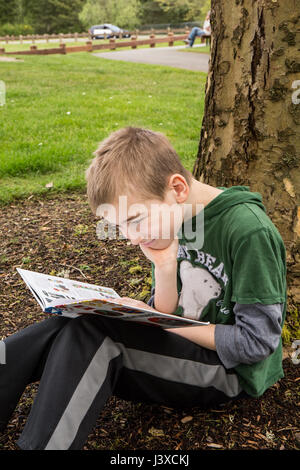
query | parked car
[107, 30]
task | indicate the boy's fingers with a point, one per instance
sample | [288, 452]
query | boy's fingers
[135, 302]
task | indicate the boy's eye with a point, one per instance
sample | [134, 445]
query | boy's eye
[135, 222]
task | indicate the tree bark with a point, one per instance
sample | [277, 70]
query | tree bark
[250, 132]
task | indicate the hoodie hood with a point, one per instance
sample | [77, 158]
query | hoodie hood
[231, 197]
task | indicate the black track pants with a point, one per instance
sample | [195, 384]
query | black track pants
[81, 362]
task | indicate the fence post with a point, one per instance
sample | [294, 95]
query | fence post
[171, 38]
[133, 39]
[76, 37]
[62, 46]
[112, 42]
[47, 38]
[152, 36]
[60, 38]
[2, 50]
[89, 46]
[6, 39]
[33, 47]
[21, 39]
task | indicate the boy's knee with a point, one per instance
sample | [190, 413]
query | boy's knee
[84, 323]
[55, 322]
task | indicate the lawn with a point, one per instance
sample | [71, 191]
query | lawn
[58, 108]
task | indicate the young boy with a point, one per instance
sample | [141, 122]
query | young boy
[235, 280]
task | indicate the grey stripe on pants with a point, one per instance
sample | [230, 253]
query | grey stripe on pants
[168, 368]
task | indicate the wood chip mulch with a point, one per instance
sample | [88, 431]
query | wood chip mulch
[56, 234]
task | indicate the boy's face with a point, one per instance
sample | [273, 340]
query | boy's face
[153, 222]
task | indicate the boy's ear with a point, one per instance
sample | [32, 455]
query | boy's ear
[179, 184]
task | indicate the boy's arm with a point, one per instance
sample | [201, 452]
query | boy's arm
[166, 295]
[164, 273]
[257, 329]
[254, 336]
[203, 335]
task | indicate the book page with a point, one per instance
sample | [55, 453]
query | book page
[53, 289]
[111, 309]
[72, 298]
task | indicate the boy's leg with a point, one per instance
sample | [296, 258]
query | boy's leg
[25, 356]
[93, 358]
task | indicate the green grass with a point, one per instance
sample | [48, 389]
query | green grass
[198, 50]
[41, 143]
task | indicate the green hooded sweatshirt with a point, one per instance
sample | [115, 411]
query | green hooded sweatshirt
[242, 260]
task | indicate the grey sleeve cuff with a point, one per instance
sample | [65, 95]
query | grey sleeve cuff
[226, 345]
[151, 300]
[253, 337]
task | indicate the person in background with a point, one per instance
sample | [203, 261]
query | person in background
[198, 32]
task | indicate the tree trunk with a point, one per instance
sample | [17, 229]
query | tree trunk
[250, 132]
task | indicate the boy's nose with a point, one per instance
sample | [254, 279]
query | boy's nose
[136, 241]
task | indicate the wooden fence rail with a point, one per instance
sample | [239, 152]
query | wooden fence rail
[113, 44]
[76, 36]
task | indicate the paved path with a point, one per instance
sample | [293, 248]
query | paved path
[171, 56]
[10, 59]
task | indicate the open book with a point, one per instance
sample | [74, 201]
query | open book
[71, 298]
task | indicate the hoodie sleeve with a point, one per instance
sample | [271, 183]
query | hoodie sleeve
[259, 270]
[253, 337]
[151, 300]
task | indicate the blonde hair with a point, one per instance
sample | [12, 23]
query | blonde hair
[132, 160]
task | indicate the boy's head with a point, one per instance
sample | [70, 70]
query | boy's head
[141, 166]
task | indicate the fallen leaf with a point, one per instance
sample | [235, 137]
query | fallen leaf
[156, 432]
[49, 185]
[186, 419]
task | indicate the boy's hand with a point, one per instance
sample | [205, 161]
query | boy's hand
[164, 257]
[134, 303]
